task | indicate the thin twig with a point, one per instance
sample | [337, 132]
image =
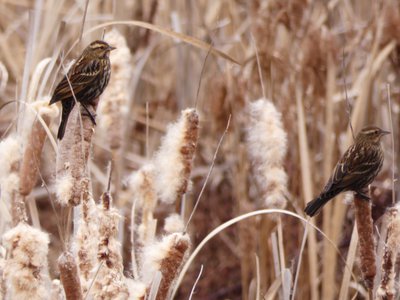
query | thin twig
[83, 19]
[303, 244]
[348, 109]
[201, 75]
[209, 173]
[392, 137]
[94, 279]
[258, 66]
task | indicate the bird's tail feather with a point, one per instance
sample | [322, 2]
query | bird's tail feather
[61, 129]
[313, 207]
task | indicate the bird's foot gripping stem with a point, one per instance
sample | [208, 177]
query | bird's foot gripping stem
[89, 114]
[363, 194]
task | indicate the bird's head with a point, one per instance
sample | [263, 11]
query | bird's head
[99, 49]
[371, 134]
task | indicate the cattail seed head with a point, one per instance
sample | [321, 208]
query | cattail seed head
[25, 269]
[175, 157]
[114, 104]
[267, 145]
[166, 256]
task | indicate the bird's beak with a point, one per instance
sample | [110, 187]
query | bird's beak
[111, 48]
[384, 132]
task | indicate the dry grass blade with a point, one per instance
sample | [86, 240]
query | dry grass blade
[235, 220]
[176, 35]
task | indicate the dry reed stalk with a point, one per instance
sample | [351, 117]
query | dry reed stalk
[110, 282]
[344, 288]
[246, 230]
[307, 191]
[366, 240]
[86, 240]
[73, 154]
[387, 289]
[329, 254]
[69, 276]
[25, 270]
[267, 145]
[57, 290]
[29, 169]
[174, 159]
[166, 256]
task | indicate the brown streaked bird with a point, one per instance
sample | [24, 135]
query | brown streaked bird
[88, 77]
[356, 169]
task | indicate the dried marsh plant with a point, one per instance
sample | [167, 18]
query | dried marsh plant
[113, 107]
[166, 256]
[387, 288]
[174, 159]
[69, 276]
[25, 269]
[267, 145]
[73, 156]
[110, 282]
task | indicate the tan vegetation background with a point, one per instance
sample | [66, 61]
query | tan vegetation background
[320, 63]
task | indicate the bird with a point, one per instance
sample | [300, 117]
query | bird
[357, 168]
[87, 78]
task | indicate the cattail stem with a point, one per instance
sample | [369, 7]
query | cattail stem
[73, 154]
[69, 276]
[366, 239]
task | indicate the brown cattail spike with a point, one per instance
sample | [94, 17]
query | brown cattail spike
[387, 289]
[73, 154]
[69, 276]
[366, 239]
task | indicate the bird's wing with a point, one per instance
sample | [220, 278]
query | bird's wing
[357, 160]
[80, 77]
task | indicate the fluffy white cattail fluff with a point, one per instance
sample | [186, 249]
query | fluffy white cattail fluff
[86, 243]
[386, 289]
[267, 145]
[2, 264]
[25, 270]
[110, 282]
[137, 289]
[141, 184]
[57, 290]
[174, 223]
[173, 161]
[10, 157]
[114, 104]
[166, 256]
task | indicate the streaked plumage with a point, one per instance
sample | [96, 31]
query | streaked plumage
[88, 78]
[356, 169]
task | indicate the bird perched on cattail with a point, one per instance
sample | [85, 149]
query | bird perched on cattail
[356, 169]
[85, 81]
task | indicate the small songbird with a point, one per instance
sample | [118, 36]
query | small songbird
[88, 77]
[356, 169]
